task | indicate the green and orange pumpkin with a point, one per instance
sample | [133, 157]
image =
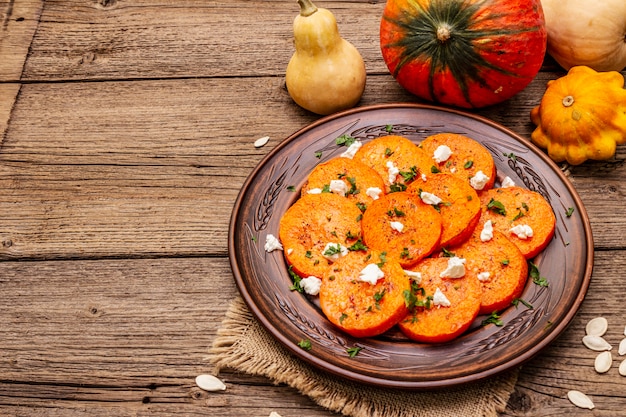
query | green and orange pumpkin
[464, 53]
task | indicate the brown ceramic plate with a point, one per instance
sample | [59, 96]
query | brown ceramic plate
[391, 360]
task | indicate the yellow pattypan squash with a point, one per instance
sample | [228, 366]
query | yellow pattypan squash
[582, 115]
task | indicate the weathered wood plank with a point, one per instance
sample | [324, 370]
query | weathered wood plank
[18, 23]
[119, 169]
[131, 335]
[142, 39]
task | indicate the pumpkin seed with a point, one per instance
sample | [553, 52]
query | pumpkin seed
[596, 343]
[261, 141]
[597, 326]
[621, 350]
[603, 362]
[580, 400]
[622, 368]
[210, 383]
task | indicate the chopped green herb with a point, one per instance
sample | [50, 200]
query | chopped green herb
[395, 213]
[345, 140]
[305, 344]
[396, 187]
[333, 250]
[569, 212]
[296, 280]
[291, 188]
[388, 152]
[505, 262]
[410, 175]
[468, 164]
[343, 317]
[410, 299]
[383, 259]
[494, 318]
[519, 215]
[253, 238]
[517, 301]
[388, 128]
[353, 351]
[358, 245]
[511, 156]
[405, 253]
[447, 253]
[318, 154]
[378, 297]
[361, 207]
[308, 254]
[536, 276]
[496, 206]
[434, 170]
[353, 190]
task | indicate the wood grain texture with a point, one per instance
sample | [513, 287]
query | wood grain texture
[18, 23]
[126, 132]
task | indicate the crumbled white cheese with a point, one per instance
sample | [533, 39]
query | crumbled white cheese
[453, 170]
[424, 177]
[415, 276]
[373, 192]
[484, 276]
[429, 198]
[440, 299]
[397, 226]
[311, 285]
[338, 187]
[351, 151]
[315, 191]
[479, 181]
[371, 273]
[334, 251]
[487, 233]
[289, 251]
[523, 231]
[442, 154]
[393, 171]
[507, 182]
[455, 269]
[272, 243]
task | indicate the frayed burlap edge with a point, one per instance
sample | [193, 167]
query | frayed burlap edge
[243, 345]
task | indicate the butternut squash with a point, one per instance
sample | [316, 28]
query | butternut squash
[326, 73]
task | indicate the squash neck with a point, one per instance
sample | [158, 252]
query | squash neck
[307, 8]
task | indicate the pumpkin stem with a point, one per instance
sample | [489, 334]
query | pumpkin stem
[307, 8]
[568, 101]
[443, 33]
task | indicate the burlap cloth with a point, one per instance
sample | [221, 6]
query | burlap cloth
[243, 345]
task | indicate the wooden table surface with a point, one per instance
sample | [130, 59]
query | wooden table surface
[126, 133]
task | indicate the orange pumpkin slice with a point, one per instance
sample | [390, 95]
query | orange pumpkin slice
[469, 159]
[522, 215]
[396, 159]
[360, 183]
[403, 226]
[360, 308]
[315, 231]
[500, 267]
[440, 323]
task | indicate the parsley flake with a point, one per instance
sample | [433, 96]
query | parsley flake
[305, 344]
[353, 351]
